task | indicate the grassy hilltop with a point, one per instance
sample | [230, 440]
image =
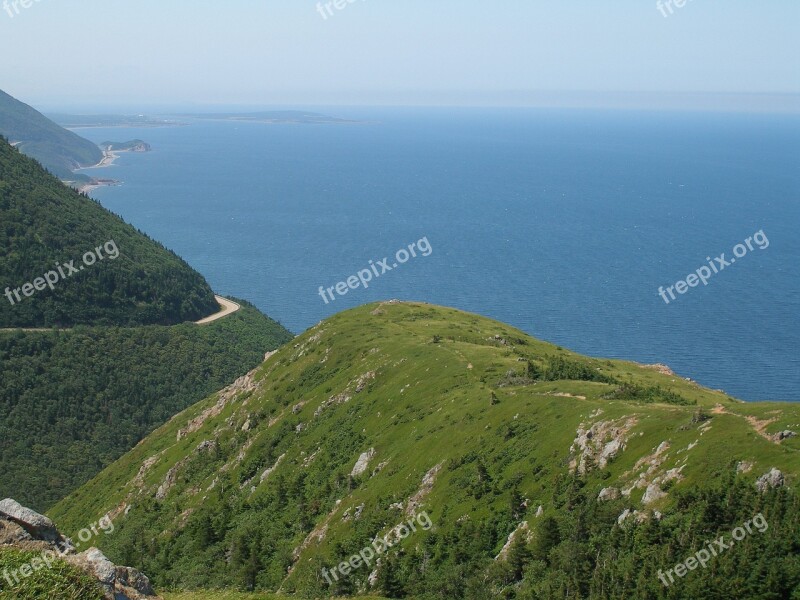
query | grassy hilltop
[479, 425]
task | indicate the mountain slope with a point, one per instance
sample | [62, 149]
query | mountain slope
[58, 149]
[388, 410]
[73, 400]
[44, 224]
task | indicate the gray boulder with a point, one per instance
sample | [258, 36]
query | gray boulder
[131, 578]
[653, 493]
[773, 479]
[24, 529]
[609, 493]
[39, 526]
[96, 564]
[12, 533]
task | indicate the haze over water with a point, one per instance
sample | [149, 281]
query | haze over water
[562, 223]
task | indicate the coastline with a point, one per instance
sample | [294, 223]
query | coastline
[97, 183]
[109, 157]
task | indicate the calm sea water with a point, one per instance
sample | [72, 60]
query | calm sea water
[562, 223]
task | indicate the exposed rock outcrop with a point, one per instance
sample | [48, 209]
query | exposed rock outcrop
[773, 479]
[660, 368]
[170, 479]
[522, 529]
[38, 526]
[653, 493]
[600, 443]
[24, 529]
[238, 388]
[354, 387]
[784, 435]
[416, 500]
[362, 463]
[609, 493]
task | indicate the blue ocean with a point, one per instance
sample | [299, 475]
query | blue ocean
[562, 223]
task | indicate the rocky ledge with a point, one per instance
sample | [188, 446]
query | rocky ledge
[24, 529]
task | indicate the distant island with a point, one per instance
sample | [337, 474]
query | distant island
[273, 117]
[90, 121]
[130, 146]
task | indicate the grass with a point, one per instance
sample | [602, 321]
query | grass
[440, 393]
[228, 595]
[60, 582]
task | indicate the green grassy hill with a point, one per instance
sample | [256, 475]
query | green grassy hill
[488, 431]
[58, 149]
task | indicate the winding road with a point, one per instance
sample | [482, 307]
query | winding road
[227, 307]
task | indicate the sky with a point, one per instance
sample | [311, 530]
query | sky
[60, 53]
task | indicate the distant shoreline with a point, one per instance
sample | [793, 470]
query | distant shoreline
[124, 126]
[109, 156]
[98, 183]
[108, 160]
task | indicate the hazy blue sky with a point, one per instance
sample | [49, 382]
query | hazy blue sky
[264, 52]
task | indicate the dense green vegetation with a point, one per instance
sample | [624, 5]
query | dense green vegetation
[232, 595]
[71, 402]
[59, 582]
[579, 551]
[43, 222]
[58, 149]
[477, 424]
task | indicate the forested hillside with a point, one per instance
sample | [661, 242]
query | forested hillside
[71, 402]
[44, 225]
[122, 356]
[58, 149]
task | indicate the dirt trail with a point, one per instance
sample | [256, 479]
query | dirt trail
[759, 425]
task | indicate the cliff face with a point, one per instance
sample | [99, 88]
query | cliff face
[34, 537]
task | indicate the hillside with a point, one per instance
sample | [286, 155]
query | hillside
[57, 430]
[45, 225]
[58, 149]
[542, 473]
[125, 357]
